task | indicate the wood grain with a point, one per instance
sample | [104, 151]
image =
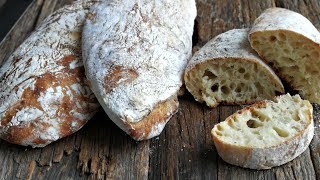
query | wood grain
[20, 30]
[184, 150]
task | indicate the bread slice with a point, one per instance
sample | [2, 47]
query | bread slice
[290, 44]
[227, 70]
[135, 55]
[265, 134]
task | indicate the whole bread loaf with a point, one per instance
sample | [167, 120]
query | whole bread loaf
[43, 91]
[227, 70]
[266, 134]
[135, 53]
[291, 45]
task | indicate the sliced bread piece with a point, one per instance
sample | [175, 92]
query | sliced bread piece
[227, 70]
[265, 134]
[290, 44]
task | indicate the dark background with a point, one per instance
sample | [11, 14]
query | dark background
[10, 11]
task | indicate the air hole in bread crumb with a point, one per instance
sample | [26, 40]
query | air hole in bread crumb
[282, 37]
[296, 128]
[246, 76]
[255, 67]
[253, 123]
[272, 38]
[256, 132]
[295, 116]
[255, 43]
[259, 115]
[218, 133]
[241, 70]
[240, 86]
[280, 132]
[232, 85]
[271, 64]
[287, 60]
[286, 51]
[225, 90]
[209, 74]
[259, 87]
[230, 123]
[219, 127]
[314, 73]
[214, 88]
[238, 89]
[278, 93]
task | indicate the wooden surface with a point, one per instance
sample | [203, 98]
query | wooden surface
[184, 150]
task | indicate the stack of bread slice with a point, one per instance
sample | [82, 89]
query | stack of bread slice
[233, 68]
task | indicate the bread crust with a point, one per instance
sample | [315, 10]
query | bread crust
[284, 21]
[274, 19]
[269, 156]
[44, 95]
[135, 53]
[229, 47]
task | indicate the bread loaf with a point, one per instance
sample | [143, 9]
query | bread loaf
[226, 70]
[266, 134]
[290, 44]
[135, 53]
[43, 90]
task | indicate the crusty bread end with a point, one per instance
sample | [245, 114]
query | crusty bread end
[266, 134]
[289, 43]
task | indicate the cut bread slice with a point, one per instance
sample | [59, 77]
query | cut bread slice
[227, 70]
[265, 134]
[290, 44]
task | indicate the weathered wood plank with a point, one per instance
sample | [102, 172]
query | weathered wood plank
[217, 16]
[315, 144]
[20, 30]
[308, 8]
[184, 150]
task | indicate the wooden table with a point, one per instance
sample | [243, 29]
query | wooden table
[184, 150]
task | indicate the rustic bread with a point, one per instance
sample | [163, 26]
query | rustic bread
[226, 70]
[43, 90]
[290, 44]
[266, 134]
[135, 53]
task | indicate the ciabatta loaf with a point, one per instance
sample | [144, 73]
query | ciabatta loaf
[43, 91]
[291, 45]
[135, 53]
[227, 70]
[266, 134]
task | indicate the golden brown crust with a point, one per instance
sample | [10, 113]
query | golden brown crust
[119, 75]
[264, 157]
[228, 71]
[158, 116]
[231, 153]
[289, 42]
[25, 132]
